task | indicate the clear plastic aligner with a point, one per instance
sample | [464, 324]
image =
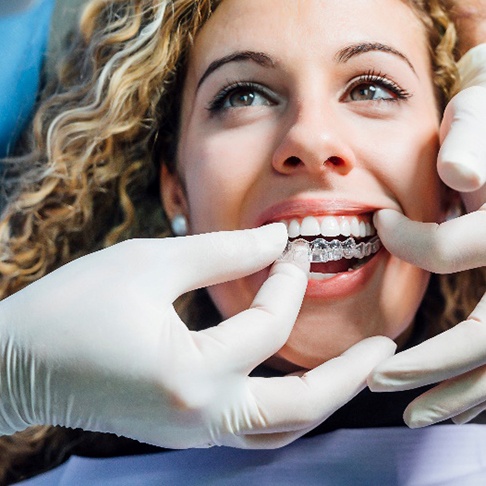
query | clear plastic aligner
[296, 251]
[323, 251]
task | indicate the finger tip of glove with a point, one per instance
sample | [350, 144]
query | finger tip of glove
[273, 231]
[418, 417]
[412, 425]
[384, 346]
[269, 240]
[412, 420]
[462, 176]
[459, 420]
[385, 217]
[296, 267]
[378, 381]
[375, 382]
[371, 351]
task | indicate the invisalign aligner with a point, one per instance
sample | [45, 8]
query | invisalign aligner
[323, 251]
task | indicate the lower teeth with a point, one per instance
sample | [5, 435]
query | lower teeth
[321, 276]
[323, 251]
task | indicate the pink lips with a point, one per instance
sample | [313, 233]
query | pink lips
[299, 208]
[347, 283]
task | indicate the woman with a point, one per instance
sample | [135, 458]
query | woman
[251, 124]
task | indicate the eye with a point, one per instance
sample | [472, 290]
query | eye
[241, 95]
[245, 97]
[370, 92]
[375, 87]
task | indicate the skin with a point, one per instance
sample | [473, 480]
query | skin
[236, 164]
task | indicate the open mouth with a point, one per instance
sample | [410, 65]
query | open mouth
[333, 244]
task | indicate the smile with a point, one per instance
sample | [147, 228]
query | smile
[333, 244]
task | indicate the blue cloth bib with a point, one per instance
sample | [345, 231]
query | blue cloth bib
[442, 455]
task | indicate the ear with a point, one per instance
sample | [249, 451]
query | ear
[172, 194]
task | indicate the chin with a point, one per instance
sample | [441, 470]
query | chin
[325, 330]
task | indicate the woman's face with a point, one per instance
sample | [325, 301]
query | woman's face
[315, 110]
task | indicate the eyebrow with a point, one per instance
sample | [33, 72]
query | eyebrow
[240, 56]
[344, 55]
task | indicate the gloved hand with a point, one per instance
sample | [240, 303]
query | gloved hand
[457, 357]
[462, 157]
[98, 345]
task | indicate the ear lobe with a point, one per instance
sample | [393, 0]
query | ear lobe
[172, 194]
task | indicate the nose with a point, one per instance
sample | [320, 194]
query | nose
[314, 141]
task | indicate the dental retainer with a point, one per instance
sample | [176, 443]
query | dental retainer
[321, 250]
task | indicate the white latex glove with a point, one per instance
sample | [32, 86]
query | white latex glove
[98, 345]
[462, 158]
[457, 357]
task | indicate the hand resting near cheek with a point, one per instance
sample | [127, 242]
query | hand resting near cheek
[456, 357]
[98, 345]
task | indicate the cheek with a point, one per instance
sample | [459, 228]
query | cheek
[220, 171]
[407, 166]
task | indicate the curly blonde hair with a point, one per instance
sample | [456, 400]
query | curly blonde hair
[89, 177]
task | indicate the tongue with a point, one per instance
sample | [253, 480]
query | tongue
[332, 267]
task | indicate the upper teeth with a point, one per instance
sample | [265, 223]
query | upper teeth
[331, 226]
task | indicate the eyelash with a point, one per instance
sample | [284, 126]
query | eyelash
[379, 78]
[217, 103]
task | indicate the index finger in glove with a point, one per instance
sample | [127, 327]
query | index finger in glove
[181, 264]
[452, 246]
[462, 157]
[293, 403]
[452, 353]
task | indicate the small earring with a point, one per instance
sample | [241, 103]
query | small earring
[179, 225]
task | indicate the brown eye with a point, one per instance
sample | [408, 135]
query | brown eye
[242, 98]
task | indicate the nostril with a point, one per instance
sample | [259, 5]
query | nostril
[334, 160]
[293, 161]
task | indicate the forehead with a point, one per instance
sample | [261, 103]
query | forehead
[305, 27]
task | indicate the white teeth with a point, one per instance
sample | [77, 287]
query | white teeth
[310, 227]
[345, 227]
[330, 226]
[321, 276]
[362, 229]
[355, 227]
[294, 229]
